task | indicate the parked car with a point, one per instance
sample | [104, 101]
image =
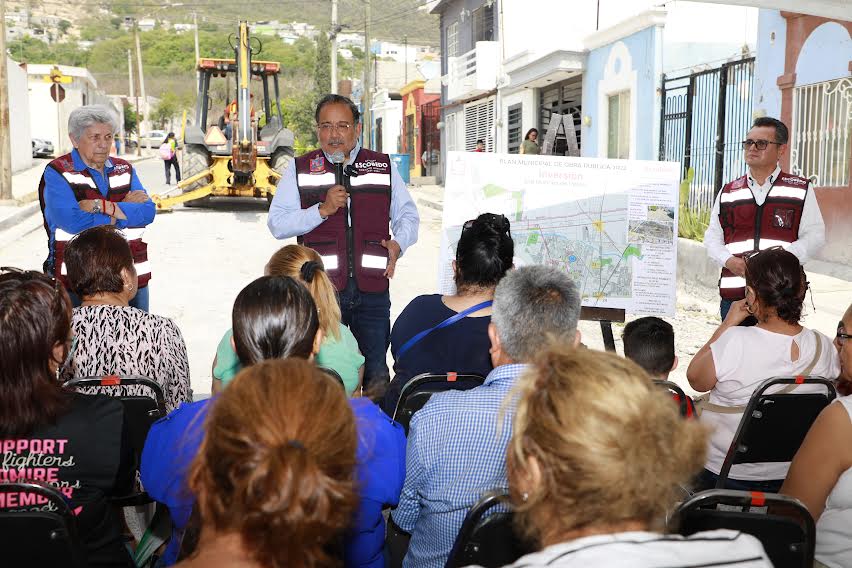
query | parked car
[42, 148]
[152, 139]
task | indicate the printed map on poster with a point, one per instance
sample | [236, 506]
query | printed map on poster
[610, 224]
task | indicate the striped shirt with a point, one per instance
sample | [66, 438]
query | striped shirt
[718, 548]
[456, 453]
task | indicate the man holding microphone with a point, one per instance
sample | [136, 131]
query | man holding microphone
[341, 201]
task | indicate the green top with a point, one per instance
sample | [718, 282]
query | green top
[529, 147]
[342, 355]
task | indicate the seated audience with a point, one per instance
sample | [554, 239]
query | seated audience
[339, 349]
[737, 359]
[456, 448]
[84, 437]
[114, 338]
[591, 477]
[650, 342]
[274, 475]
[483, 255]
[275, 317]
[821, 473]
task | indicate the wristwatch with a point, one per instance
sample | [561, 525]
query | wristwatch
[323, 217]
[96, 208]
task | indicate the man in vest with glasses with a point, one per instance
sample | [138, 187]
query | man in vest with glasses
[764, 208]
[87, 188]
[348, 223]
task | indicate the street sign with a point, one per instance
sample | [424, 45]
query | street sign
[57, 92]
[56, 76]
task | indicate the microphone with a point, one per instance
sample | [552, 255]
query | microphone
[337, 159]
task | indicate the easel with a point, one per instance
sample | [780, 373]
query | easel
[565, 123]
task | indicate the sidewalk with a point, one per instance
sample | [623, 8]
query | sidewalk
[25, 191]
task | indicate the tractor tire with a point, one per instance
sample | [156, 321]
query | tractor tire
[195, 160]
[279, 162]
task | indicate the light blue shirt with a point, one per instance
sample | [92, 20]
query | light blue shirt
[288, 219]
[456, 453]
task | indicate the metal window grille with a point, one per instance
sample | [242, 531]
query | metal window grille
[453, 40]
[483, 24]
[822, 127]
[514, 130]
[479, 124]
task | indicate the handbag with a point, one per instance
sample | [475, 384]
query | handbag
[446, 323]
[703, 403]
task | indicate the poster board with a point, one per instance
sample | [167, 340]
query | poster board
[610, 224]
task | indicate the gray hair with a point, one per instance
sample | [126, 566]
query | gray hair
[85, 116]
[530, 304]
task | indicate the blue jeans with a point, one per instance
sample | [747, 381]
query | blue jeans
[707, 480]
[367, 314]
[140, 301]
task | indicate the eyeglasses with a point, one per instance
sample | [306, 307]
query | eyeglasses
[330, 126]
[68, 357]
[27, 275]
[841, 337]
[759, 144]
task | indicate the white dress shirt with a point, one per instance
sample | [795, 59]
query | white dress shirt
[811, 227]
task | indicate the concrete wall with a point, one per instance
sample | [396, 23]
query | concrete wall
[769, 65]
[531, 31]
[825, 56]
[528, 98]
[19, 111]
[628, 64]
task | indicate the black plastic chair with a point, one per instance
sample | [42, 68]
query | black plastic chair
[773, 426]
[782, 523]
[44, 536]
[420, 389]
[675, 390]
[487, 537]
[140, 411]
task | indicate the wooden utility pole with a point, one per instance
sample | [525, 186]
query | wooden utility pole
[334, 31]
[5, 134]
[366, 98]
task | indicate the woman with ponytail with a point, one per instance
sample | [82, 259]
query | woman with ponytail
[484, 253]
[737, 359]
[275, 474]
[275, 317]
[339, 349]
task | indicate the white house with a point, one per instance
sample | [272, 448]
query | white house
[19, 124]
[386, 114]
[48, 119]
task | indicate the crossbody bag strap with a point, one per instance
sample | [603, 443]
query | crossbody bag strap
[446, 323]
[719, 409]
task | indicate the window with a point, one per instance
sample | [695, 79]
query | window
[618, 127]
[514, 129]
[410, 144]
[453, 40]
[564, 97]
[479, 124]
[821, 133]
[483, 23]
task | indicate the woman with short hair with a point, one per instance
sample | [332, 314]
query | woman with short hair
[484, 254]
[274, 475]
[83, 438]
[594, 463]
[737, 359]
[114, 338]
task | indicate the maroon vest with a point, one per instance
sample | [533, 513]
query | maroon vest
[350, 250]
[747, 226]
[84, 187]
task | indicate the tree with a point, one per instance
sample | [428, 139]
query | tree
[63, 26]
[322, 68]
[130, 119]
[168, 107]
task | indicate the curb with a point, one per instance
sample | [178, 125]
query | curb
[430, 204]
[19, 216]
